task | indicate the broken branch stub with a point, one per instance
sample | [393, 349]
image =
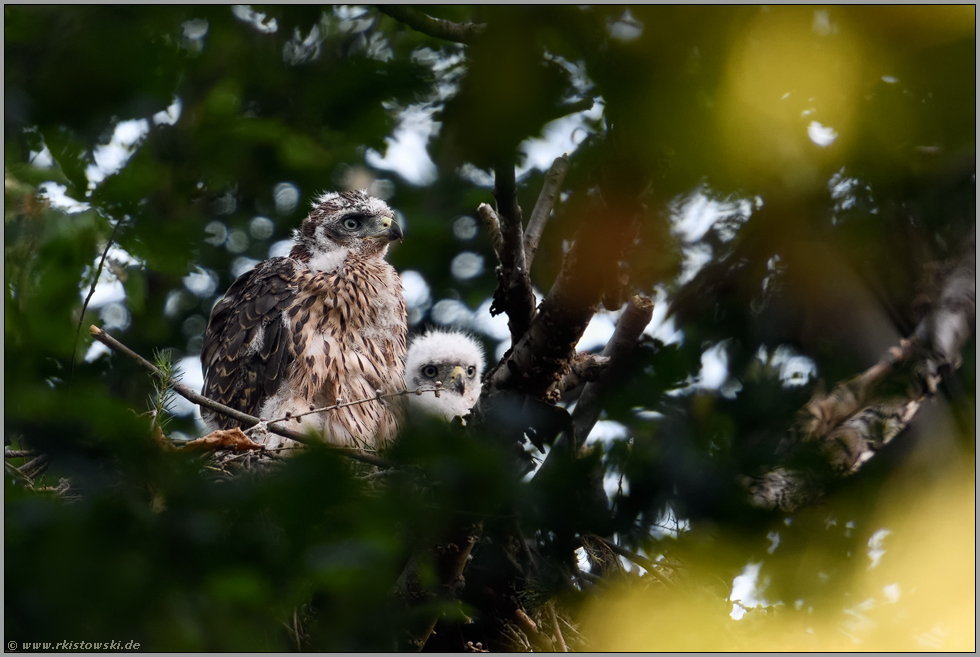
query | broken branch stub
[550, 190]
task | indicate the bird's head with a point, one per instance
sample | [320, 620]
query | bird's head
[342, 223]
[452, 358]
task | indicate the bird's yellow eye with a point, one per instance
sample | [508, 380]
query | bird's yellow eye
[430, 371]
[470, 371]
[350, 223]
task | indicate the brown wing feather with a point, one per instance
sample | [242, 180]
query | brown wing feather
[246, 351]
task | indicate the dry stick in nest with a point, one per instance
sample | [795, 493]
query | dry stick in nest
[243, 418]
[512, 631]
[847, 425]
[553, 619]
[530, 629]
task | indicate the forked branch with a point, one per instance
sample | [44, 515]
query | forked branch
[537, 362]
[635, 318]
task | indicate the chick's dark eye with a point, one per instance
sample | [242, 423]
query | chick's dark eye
[470, 371]
[429, 371]
[350, 223]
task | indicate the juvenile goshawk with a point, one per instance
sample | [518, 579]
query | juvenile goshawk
[325, 323]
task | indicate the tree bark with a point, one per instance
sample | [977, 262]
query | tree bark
[513, 294]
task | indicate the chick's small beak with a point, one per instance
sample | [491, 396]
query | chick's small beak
[457, 379]
[392, 231]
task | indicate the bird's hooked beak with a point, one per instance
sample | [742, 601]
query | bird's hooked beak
[391, 231]
[457, 379]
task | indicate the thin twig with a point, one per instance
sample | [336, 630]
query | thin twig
[516, 633]
[342, 404]
[91, 291]
[573, 630]
[243, 418]
[434, 27]
[380, 474]
[550, 190]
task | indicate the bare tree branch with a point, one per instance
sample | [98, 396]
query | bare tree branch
[848, 426]
[513, 294]
[535, 364]
[243, 418]
[635, 318]
[433, 27]
[91, 291]
[553, 180]
[638, 313]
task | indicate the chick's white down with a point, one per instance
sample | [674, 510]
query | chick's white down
[451, 357]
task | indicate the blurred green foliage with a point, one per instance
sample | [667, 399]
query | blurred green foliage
[826, 260]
